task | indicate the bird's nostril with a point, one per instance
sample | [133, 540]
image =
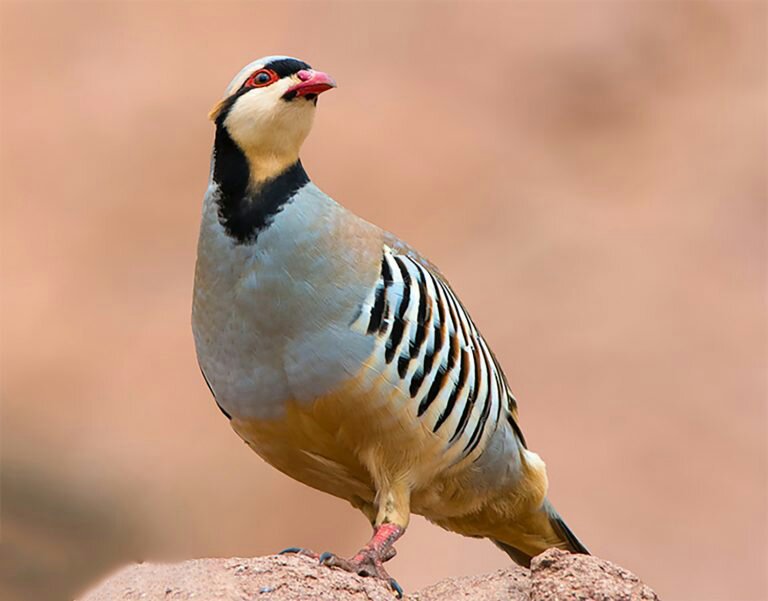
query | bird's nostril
[304, 75]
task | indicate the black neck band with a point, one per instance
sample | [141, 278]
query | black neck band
[243, 210]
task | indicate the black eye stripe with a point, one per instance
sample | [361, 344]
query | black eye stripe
[286, 66]
[282, 68]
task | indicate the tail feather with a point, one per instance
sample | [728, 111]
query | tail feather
[562, 529]
[519, 557]
[566, 539]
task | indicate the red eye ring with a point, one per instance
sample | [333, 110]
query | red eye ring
[258, 79]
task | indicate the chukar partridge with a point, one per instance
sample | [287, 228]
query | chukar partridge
[343, 357]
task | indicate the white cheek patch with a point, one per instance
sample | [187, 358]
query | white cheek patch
[264, 125]
[258, 108]
[255, 106]
[262, 101]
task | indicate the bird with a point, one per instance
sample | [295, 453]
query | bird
[342, 356]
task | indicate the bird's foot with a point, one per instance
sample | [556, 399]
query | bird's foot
[365, 563]
[369, 561]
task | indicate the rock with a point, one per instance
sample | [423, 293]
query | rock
[272, 578]
[558, 576]
[554, 576]
[509, 584]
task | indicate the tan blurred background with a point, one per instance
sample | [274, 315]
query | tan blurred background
[590, 175]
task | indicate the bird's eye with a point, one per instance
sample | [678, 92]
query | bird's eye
[261, 78]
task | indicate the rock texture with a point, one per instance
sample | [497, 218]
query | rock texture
[554, 576]
[557, 575]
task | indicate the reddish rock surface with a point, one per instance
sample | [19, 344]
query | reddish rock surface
[554, 576]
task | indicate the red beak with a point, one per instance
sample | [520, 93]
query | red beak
[312, 82]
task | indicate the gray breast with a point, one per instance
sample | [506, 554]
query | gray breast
[271, 321]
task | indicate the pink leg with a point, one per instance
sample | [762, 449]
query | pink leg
[369, 561]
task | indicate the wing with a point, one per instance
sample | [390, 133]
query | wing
[429, 346]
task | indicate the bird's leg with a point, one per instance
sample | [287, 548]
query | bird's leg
[369, 561]
[393, 505]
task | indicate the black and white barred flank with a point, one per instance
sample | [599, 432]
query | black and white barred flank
[440, 358]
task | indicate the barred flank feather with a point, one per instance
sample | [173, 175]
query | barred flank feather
[428, 340]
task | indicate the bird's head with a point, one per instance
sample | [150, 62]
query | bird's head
[268, 111]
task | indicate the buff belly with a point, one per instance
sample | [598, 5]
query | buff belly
[360, 438]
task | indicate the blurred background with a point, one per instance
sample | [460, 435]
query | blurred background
[591, 176]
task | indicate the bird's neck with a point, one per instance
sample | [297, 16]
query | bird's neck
[253, 186]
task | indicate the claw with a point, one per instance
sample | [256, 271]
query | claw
[366, 564]
[298, 551]
[369, 561]
[398, 590]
